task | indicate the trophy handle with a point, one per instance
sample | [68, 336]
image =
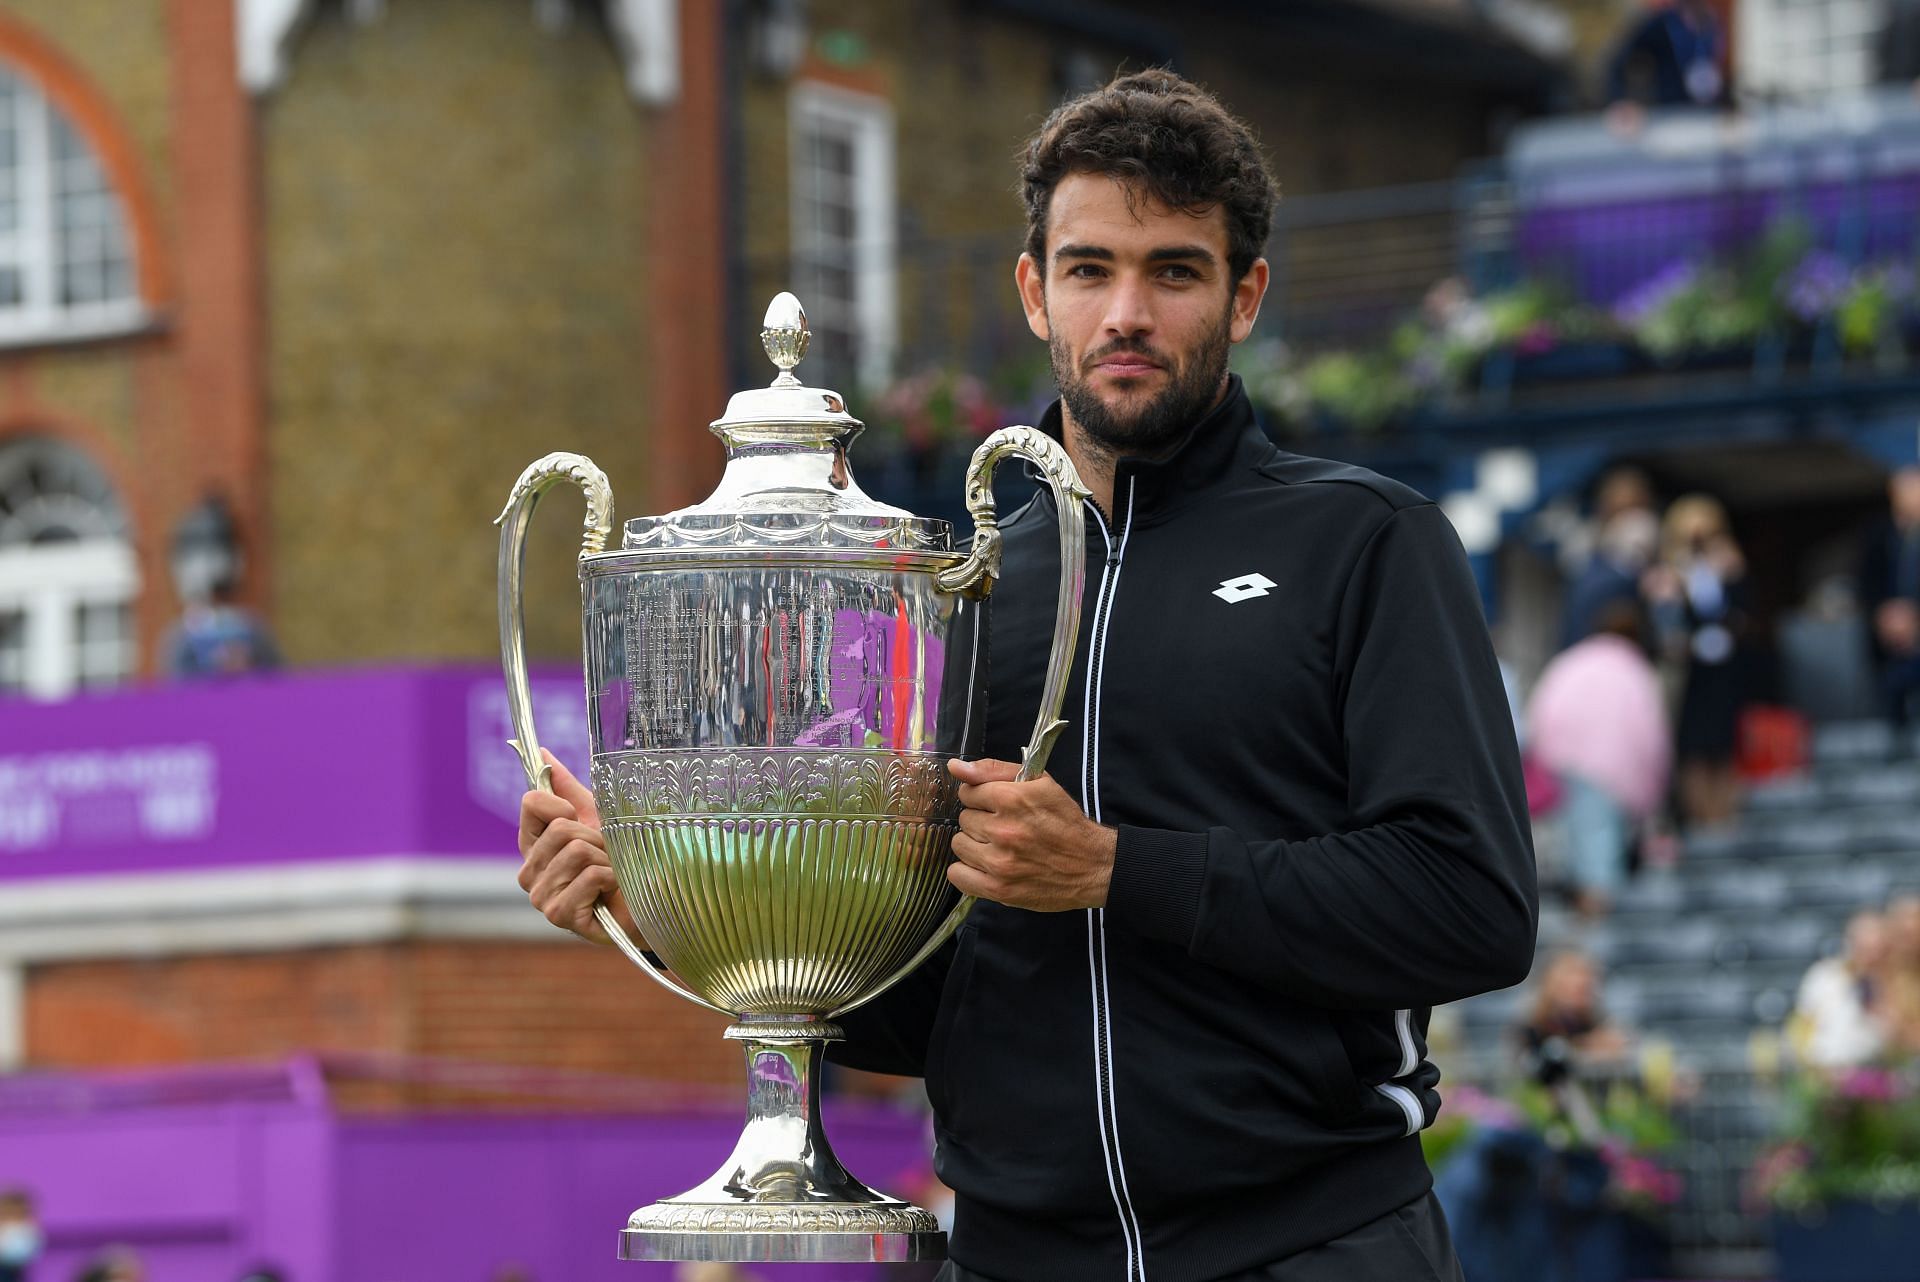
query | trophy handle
[975, 577]
[542, 475]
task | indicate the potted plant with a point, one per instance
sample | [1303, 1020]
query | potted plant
[922, 430]
[1843, 1180]
[1560, 1179]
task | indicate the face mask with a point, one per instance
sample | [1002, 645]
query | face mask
[19, 1243]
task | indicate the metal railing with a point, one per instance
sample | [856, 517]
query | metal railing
[1346, 266]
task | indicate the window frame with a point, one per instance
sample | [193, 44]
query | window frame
[92, 565]
[51, 585]
[1807, 50]
[34, 245]
[866, 123]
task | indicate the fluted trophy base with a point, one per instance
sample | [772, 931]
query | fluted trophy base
[783, 1195]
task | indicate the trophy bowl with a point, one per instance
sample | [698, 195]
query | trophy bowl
[776, 678]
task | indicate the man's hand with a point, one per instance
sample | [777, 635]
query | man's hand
[566, 869]
[1027, 845]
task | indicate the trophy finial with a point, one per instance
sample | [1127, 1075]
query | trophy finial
[784, 334]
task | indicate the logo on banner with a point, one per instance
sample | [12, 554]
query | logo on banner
[495, 778]
[107, 796]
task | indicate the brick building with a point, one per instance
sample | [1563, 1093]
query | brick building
[348, 266]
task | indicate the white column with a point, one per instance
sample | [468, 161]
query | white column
[648, 33]
[13, 1014]
[264, 29]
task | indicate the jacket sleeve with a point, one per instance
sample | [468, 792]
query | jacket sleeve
[1429, 895]
[890, 1033]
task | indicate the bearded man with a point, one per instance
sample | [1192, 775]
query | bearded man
[1182, 1037]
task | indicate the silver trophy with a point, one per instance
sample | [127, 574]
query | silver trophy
[776, 678]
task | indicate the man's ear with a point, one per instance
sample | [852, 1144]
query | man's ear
[1030, 281]
[1247, 294]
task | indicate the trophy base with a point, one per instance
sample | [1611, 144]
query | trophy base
[880, 1233]
[783, 1195]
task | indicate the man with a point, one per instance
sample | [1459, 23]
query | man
[19, 1234]
[1890, 591]
[1182, 1036]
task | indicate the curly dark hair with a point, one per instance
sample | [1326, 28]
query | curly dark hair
[1168, 136]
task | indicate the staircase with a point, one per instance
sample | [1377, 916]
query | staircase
[1706, 955]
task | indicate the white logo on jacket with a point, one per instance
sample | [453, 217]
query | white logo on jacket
[1244, 588]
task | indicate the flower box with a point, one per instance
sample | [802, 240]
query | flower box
[1849, 1242]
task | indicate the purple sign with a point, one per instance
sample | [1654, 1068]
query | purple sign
[272, 770]
[207, 1172]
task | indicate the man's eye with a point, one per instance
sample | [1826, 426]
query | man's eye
[1083, 271]
[1179, 271]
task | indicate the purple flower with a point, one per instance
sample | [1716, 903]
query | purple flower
[1872, 1085]
[1647, 298]
[1815, 289]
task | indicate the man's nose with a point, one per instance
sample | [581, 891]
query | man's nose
[1129, 309]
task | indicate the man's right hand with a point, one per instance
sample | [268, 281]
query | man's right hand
[566, 870]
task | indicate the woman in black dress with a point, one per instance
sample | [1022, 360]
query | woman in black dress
[1698, 597]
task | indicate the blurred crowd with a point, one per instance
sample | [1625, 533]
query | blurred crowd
[1634, 730]
[1862, 1006]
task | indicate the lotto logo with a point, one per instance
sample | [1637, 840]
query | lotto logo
[1244, 588]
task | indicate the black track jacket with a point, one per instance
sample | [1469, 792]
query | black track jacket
[1286, 702]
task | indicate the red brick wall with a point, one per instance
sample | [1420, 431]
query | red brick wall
[175, 414]
[559, 1006]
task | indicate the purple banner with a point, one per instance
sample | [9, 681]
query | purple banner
[272, 770]
[208, 1186]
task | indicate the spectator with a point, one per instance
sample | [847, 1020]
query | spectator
[1890, 589]
[115, 1264]
[1566, 1010]
[712, 1271]
[19, 1234]
[1599, 722]
[1620, 489]
[1673, 55]
[1697, 593]
[219, 638]
[1836, 1018]
[1902, 1017]
[1625, 548]
[216, 635]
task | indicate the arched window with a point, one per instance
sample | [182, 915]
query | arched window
[66, 260]
[67, 573]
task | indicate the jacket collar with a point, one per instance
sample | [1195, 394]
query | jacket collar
[1146, 489]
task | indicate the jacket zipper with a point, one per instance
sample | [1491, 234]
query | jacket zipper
[1097, 917]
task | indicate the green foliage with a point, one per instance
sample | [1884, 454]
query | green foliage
[1780, 286]
[1444, 1139]
[1851, 1137]
[1365, 391]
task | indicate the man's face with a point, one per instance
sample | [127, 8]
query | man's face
[1138, 311]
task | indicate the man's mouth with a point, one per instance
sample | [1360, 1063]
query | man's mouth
[1127, 366]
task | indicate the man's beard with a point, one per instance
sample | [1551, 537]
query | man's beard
[1152, 428]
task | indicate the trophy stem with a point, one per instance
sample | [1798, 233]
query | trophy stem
[782, 1195]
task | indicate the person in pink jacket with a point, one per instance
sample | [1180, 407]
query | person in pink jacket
[1598, 720]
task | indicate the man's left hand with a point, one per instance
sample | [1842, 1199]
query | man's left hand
[1027, 845]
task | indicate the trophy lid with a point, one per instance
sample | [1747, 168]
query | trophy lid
[787, 484]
